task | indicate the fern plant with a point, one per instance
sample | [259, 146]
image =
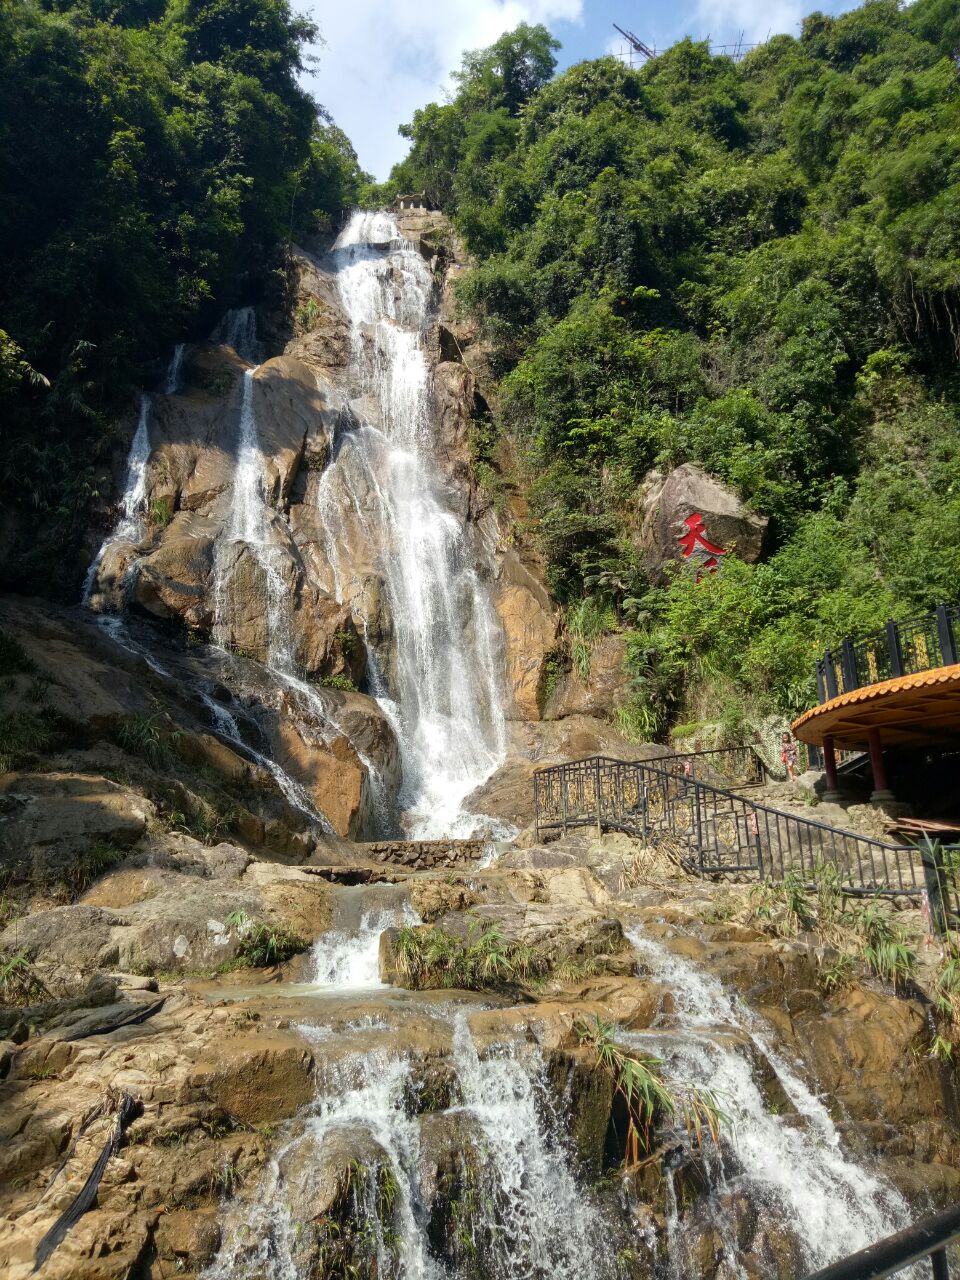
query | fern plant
[638, 1080]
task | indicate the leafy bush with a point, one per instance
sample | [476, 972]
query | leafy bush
[161, 513]
[262, 944]
[148, 736]
[337, 682]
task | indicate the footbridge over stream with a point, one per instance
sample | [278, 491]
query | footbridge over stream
[698, 805]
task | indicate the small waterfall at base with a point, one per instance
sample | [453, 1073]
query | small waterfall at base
[442, 689]
[830, 1204]
[523, 1218]
[349, 956]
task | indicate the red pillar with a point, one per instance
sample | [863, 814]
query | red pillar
[878, 768]
[830, 767]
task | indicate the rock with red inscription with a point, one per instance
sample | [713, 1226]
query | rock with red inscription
[690, 517]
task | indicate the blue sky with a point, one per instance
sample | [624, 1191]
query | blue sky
[380, 61]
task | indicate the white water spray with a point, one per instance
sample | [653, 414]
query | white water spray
[530, 1221]
[830, 1204]
[238, 329]
[352, 960]
[442, 691]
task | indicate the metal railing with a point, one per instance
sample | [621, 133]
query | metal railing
[900, 649]
[716, 831]
[925, 1239]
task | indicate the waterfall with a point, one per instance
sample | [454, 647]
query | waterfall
[442, 690]
[537, 1220]
[171, 382]
[249, 523]
[252, 524]
[527, 1219]
[830, 1204]
[131, 525]
[351, 959]
[238, 329]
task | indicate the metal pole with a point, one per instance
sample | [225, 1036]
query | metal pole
[894, 649]
[948, 641]
[848, 665]
[939, 1265]
[596, 792]
[896, 1252]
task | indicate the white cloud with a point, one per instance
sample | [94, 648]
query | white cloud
[726, 20]
[383, 60]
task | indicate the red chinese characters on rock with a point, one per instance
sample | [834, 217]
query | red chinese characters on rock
[697, 549]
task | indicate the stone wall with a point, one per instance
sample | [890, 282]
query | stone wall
[422, 855]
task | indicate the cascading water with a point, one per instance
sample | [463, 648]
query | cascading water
[830, 1204]
[171, 383]
[350, 957]
[131, 526]
[238, 329]
[442, 690]
[527, 1218]
[249, 522]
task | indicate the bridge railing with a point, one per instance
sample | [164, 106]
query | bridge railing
[900, 649]
[928, 1238]
[717, 831]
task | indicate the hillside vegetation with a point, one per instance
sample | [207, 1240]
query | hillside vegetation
[153, 156]
[751, 266]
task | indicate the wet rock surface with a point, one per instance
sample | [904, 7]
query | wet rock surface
[232, 1069]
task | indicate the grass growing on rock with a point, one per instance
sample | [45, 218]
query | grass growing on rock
[19, 985]
[261, 944]
[648, 1098]
[865, 935]
[484, 960]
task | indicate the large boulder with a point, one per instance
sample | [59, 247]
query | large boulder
[691, 517]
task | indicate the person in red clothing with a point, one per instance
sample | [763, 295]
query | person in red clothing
[788, 756]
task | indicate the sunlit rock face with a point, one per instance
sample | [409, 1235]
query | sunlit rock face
[315, 512]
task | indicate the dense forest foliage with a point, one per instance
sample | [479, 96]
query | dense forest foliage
[753, 266]
[153, 156]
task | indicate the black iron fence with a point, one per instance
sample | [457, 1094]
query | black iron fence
[717, 831]
[900, 649]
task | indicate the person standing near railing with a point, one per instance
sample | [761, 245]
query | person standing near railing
[788, 756]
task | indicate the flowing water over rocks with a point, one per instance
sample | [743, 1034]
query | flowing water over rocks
[791, 1167]
[310, 522]
[378, 1178]
[441, 688]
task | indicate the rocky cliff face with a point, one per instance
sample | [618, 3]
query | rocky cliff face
[183, 564]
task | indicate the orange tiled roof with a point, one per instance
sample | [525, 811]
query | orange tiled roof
[943, 679]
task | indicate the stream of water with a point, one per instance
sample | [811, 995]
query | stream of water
[528, 1218]
[796, 1172]
[441, 688]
